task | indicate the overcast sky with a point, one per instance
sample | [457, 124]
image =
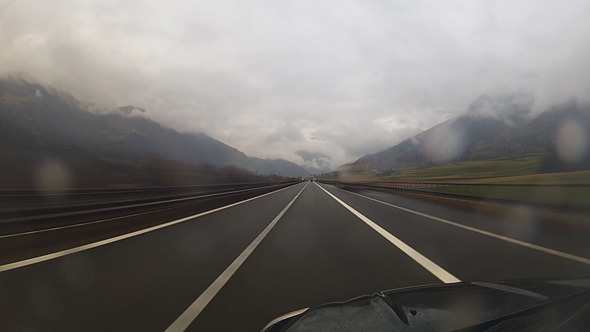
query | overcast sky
[314, 82]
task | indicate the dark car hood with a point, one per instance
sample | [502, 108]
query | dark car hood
[513, 305]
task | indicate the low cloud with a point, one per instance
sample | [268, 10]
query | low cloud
[511, 108]
[273, 79]
[317, 160]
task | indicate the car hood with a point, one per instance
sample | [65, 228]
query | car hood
[512, 305]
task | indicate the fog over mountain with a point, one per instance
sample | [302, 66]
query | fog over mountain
[495, 127]
[39, 125]
[292, 79]
[512, 109]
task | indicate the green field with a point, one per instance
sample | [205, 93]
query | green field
[579, 177]
[470, 170]
[524, 170]
[518, 170]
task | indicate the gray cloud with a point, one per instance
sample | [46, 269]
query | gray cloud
[317, 160]
[311, 156]
[276, 78]
[512, 108]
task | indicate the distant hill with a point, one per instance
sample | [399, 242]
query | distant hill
[40, 123]
[495, 128]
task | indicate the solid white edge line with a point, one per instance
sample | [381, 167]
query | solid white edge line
[189, 315]
[59, 228]
[114, 208]
[34, 260]
[429, 265]
[490, 234]
[52, 229]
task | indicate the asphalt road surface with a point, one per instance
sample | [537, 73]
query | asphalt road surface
[238, 265]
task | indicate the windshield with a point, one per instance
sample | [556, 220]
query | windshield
[210, 166]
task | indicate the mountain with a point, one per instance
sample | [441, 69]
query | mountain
[41, 123]
[496, 127]
[462, 138]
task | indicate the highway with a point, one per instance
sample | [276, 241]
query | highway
[236, 264]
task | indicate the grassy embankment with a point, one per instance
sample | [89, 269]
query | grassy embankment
[519, 170]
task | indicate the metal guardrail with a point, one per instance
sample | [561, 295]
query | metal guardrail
[430, 184]
[31, 202]
[428, 189]
[99, 191]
